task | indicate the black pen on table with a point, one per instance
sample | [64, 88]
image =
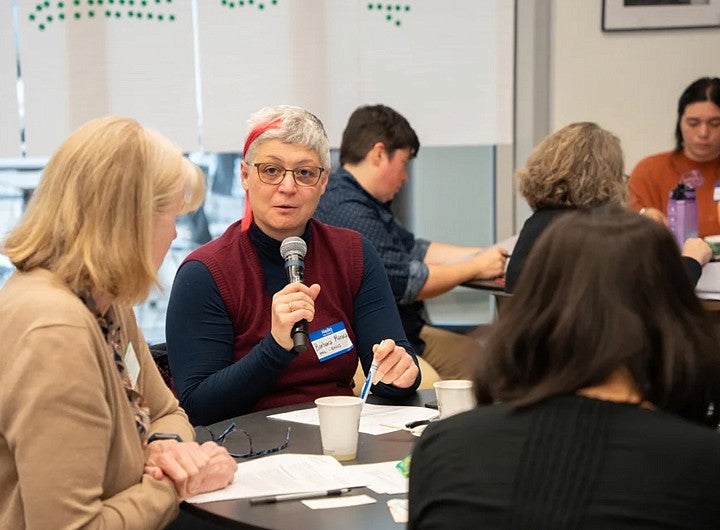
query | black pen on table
[272, 499]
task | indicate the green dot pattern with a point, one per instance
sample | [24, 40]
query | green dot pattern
[44, 13]
[391, 12]
[261, 5]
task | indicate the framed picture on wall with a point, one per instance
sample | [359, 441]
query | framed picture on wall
[633, 15]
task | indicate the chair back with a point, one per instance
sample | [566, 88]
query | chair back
[160, 356]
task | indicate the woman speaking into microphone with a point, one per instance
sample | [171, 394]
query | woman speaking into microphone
[232, 309]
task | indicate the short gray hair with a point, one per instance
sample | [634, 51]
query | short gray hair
[290, 125]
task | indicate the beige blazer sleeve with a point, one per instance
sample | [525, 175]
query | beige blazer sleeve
[77, 459]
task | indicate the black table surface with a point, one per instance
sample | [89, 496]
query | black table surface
[496, 286]
[305, 439]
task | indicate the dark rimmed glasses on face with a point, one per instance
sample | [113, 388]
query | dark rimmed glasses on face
[235, 438]
[306, 176]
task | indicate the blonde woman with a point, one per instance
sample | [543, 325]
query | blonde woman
[89, 434]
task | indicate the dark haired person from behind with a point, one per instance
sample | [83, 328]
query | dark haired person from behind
[598, 398]
[696, 157]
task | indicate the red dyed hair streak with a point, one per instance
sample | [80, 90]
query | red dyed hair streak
[259, 129]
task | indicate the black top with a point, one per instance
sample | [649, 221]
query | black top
[536, 225]
[568, 462]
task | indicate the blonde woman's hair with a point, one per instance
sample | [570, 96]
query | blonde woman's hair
[91, 219]
[579, 166]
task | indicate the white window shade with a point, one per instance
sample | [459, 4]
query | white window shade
[137, 61]
[9, 121]
[151, 74]
[248, 62]
[447, 66]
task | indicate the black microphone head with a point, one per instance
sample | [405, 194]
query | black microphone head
[293, 246]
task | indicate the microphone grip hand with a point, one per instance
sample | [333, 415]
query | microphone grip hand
[299, 336]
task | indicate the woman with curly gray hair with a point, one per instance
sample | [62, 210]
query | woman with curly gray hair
[578, 167]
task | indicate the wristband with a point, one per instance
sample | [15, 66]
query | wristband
[163, 436]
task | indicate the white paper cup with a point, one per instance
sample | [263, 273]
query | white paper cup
[454, 396]
[339, 424]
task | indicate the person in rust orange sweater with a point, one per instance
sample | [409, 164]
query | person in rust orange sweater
[695, 159]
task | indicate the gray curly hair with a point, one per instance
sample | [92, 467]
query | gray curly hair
[579, 166]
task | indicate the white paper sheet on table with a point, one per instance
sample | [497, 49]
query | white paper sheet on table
[398, 509]
[339, 502]
[284, 473]
[374, 419]
[295, 473]
[708, 286]
[382, 477]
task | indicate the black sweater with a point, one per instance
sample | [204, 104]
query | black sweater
[569, 462]
[536, 225]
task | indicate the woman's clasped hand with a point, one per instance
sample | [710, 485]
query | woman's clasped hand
[192, 468]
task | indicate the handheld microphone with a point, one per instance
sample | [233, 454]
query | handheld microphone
[293, 250]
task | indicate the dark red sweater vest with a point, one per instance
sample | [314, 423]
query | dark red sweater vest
[334, 260]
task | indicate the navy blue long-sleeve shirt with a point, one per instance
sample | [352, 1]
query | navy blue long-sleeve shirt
[211, 384]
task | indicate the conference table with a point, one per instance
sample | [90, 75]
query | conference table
[305, 439]
[707, 288]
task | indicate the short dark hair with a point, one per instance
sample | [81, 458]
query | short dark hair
[602, 289]
[703, 89]
[370, 124]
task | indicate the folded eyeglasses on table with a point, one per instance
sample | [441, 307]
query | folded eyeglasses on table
[239, 443]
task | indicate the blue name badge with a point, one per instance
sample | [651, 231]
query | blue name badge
[331, 341]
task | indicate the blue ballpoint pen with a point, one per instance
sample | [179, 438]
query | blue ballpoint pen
[368, 382]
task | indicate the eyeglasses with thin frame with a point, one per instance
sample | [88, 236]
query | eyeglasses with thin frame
[232, 428]
[305, 176]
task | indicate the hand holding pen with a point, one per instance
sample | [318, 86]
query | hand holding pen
[394, 366]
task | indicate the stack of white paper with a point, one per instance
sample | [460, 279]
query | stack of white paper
[296, 473]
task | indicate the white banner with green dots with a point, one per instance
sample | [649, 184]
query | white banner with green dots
[447, 66]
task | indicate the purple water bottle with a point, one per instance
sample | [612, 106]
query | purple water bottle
[682, 213]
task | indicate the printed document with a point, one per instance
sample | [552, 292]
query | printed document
[374, 419]
[297, 473]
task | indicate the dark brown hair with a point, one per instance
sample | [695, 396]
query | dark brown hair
[370, 124]
[604, 288]
[703, 89]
